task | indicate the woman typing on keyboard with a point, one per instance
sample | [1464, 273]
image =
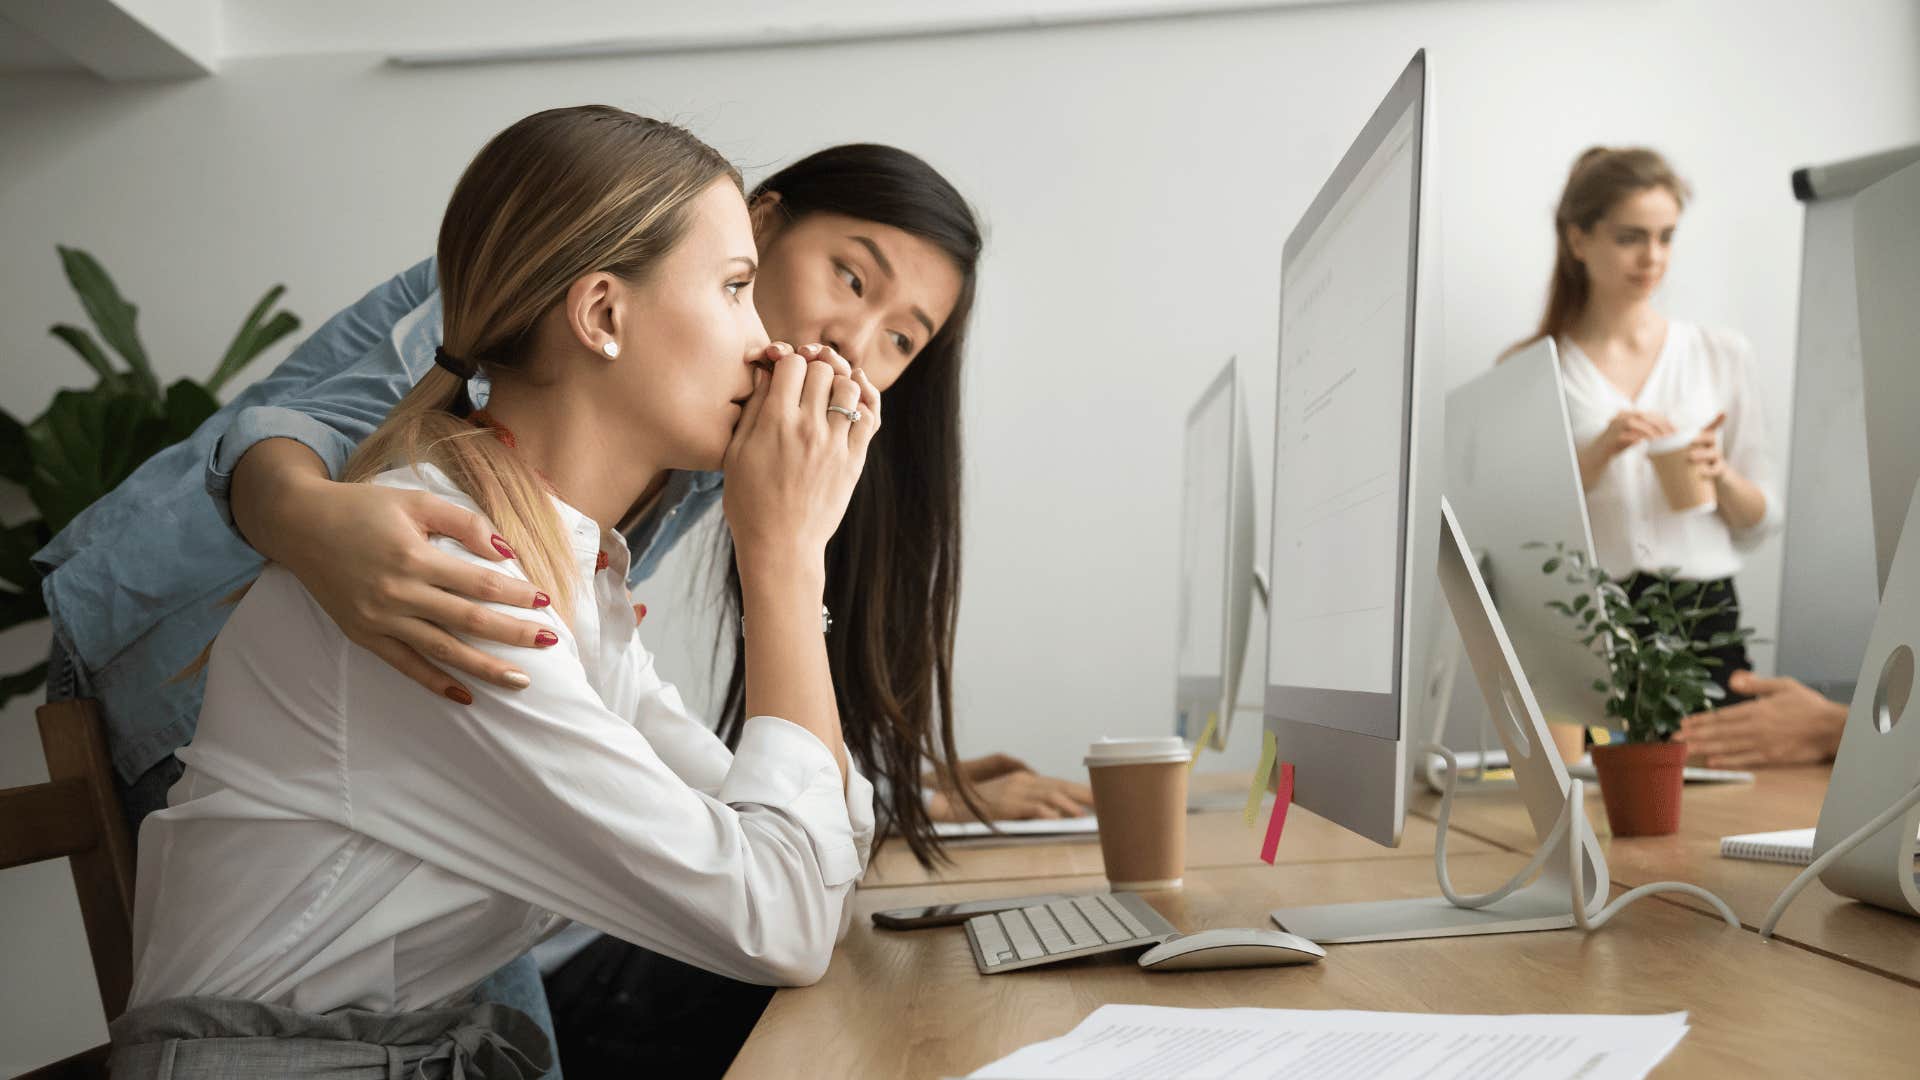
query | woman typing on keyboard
[347, 855]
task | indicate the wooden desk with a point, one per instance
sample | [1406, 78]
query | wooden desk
[1825, 922]
[910, 1004]
[1214, 839]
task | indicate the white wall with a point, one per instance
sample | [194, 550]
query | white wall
[1137, 182]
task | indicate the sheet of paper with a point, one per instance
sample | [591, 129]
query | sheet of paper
[1073, 826]
[1240, 1044]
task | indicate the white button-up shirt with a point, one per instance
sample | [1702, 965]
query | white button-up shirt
[1698, 374]
[342, 837]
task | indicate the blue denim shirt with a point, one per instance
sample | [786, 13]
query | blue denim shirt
[135, 582]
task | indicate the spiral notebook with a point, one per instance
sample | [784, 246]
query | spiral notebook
[1794, 846]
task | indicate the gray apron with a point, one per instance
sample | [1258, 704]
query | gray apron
[207, 1038]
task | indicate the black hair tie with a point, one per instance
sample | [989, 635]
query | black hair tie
[452, 364]
[446, 361]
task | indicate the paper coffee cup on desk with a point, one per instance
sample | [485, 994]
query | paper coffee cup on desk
[1140, 797]
[1688, 490]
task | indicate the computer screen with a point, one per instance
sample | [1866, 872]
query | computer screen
[1340, 449]
[1216, 560]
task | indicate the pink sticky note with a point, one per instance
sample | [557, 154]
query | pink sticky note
[1282, 798]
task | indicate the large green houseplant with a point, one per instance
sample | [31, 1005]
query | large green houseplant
[1659, 672]
[87, 441]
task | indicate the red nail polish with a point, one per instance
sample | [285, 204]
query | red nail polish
[459, 694]
[541, 600]
[500, 546]
[639, 613]
[545, 638]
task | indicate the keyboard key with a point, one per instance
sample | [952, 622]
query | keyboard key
[1103, 921]
[1134, 929]
[1021, 934]
[993, 941]
[1075, 924]
[1052, 937]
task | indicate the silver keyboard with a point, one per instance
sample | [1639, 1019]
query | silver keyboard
[1064, 929]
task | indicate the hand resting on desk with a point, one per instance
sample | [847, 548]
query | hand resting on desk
[1008, 790]
[1786, 723]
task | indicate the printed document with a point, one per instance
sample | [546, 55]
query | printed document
[1147, 1041]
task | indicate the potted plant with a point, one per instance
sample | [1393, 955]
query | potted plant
[1658, 672]
[87, 441]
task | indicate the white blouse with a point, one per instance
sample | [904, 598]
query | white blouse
[342, 837]
[1698, 374]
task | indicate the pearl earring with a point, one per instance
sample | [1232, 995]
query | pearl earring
[611, 348]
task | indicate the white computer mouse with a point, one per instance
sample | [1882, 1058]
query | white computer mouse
[1231, 949]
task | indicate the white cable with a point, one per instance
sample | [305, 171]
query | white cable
[1577, 797]
[1440, 844]
[1853, 840]
[1572, 817]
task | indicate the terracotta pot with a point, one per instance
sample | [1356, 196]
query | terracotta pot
[1641, 783]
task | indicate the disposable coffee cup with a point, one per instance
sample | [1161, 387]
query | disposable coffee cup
[1140, 797]
[1688, 490]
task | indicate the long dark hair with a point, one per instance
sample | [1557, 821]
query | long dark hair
[893, 568]
[1599, 179]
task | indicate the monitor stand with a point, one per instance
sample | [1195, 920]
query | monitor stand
[1880, 749]
[1546, 904]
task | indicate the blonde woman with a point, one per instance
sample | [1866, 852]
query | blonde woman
[346, 856]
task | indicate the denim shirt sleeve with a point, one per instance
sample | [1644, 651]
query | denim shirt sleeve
[331, 415]
[343, 339]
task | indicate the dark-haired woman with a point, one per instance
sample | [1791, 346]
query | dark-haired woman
[1634, 376]
[864, 247]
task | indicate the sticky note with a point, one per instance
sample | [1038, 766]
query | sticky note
[1206, 735]
[1278, 821]
[1268, 751]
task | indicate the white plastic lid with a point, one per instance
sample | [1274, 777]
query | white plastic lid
[1148, 750]
[1667, 444]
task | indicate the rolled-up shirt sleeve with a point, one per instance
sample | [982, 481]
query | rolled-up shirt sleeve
[254, 425]
[356, 368]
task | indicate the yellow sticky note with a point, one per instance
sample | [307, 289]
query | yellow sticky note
[1206, 735]
[1268, 751]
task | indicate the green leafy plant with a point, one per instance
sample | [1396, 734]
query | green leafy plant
[87, 441]
[1658, 669]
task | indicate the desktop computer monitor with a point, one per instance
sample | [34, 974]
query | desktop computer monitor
[1828, 581]
[1359, 549]
[1880, 746]
[1514, 480]
[1216, 561]
[1356, 474]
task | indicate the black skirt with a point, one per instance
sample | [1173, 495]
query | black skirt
[1732, 657]
[623, 1011]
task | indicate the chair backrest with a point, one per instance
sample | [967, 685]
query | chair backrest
[76, 815]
